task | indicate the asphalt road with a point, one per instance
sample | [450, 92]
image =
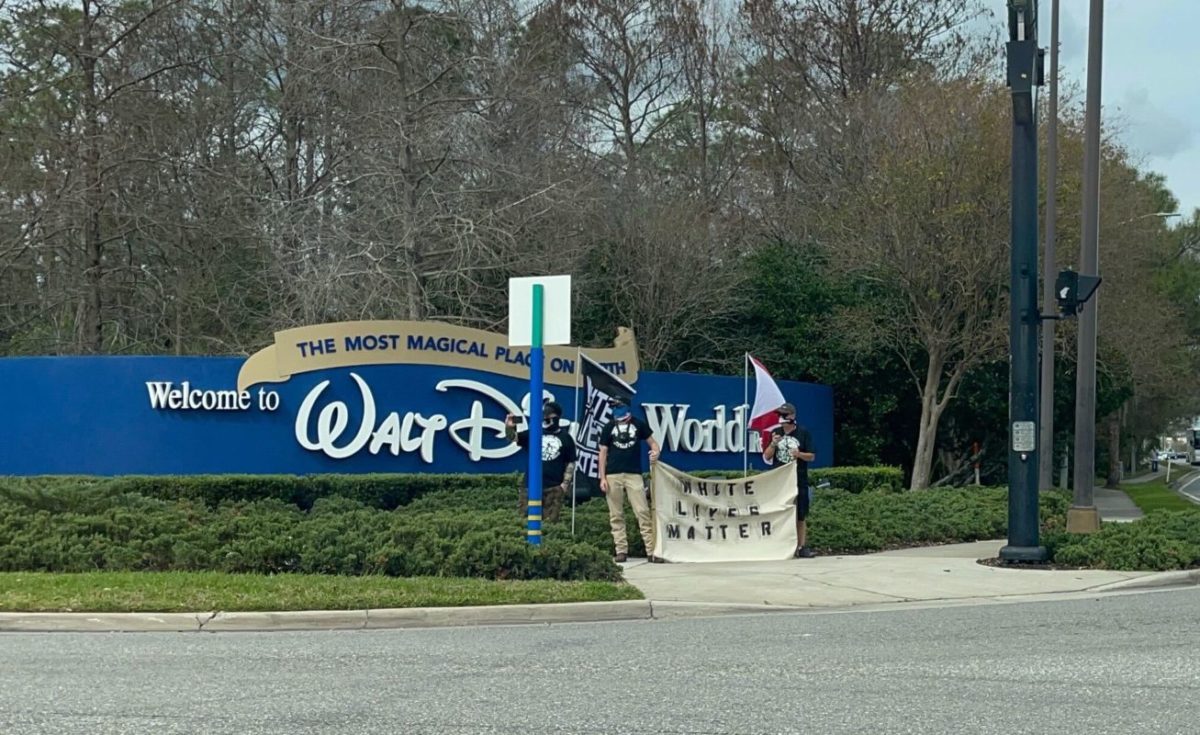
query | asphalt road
[1116, 664]
[1191, 488]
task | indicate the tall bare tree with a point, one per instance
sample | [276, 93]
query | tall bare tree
[928, 229]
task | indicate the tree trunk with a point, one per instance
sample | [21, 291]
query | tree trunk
[927, 431]
[1114, 451]
[91, 328]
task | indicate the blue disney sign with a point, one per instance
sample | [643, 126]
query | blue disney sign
[407, 405]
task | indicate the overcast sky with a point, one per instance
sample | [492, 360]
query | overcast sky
[1150, 96]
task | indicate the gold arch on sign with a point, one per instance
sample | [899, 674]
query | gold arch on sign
[389, 342]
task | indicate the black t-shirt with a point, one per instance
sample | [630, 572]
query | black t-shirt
[558, 450]
[798, 439]
[623, 440]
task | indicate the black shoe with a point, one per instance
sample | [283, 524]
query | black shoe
[620, 558]
[804, 553]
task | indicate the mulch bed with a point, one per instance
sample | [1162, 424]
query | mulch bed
[1044, 565]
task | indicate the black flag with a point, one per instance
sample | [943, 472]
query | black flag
[601, 388]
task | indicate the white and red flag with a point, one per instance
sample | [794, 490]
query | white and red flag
[767, 398]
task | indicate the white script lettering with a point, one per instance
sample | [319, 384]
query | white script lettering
[396, 433]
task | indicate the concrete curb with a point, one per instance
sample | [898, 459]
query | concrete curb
[1150, 581]
[428, 617]
[417, 617]
[101, 622]
[667, 609]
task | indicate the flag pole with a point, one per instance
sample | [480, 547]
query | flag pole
[745, 414]
[533, 524]
[653, 513]
[575, 471]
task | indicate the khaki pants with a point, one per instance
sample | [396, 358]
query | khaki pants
[618, 487]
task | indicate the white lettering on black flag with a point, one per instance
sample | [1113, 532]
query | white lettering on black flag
[708, 519]
[600, 388]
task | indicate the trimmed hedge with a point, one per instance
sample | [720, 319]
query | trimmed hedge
[383, 491]
[858, 479]
[130, 532]
[845, 522]
[82, 524]
[274, 534]
[1163, 540]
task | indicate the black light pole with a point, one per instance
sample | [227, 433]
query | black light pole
[1082, 516]
[1025, 63]
[1049, 264]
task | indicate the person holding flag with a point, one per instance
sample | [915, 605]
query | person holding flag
[784, 441]
[621, 475]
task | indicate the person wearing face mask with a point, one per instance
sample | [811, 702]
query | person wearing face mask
[558, 458]
[790, 442]
[621, 475]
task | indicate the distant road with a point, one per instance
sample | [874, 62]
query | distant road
[1191, 488]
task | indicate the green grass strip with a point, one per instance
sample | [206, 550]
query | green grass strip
[206, 591]
[1157, 496]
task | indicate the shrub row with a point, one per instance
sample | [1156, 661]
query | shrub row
[473, 529]
[844, 522]
[127, 532]
[464, 531]
[858, 479]
[383, 491]
[1163, 540]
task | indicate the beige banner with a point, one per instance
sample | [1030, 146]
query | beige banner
[712, 519]
[348, 344]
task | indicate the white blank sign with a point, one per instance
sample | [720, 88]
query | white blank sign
[556, 310]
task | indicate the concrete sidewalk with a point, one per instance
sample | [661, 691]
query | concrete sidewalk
[930, 575]
[925, 574]
[1115, 505]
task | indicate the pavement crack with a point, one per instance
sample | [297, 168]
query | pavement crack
[851, 587]
[206, 621]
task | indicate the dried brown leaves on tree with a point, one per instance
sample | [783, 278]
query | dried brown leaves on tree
[926, 231]
[187, 177]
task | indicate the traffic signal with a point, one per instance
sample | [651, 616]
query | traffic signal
[1073, 291]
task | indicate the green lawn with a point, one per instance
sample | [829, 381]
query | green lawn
[205, 591]
[1157, 496]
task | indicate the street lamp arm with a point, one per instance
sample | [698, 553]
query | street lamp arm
[1163, 215]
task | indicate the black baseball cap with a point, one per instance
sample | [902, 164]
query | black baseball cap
[551, 408]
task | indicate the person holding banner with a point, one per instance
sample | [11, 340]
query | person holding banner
[621, 475]
[558, 458]
[789, 442]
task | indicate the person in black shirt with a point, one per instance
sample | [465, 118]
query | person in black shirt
[789, 442]
[558, 458]
[621, 475]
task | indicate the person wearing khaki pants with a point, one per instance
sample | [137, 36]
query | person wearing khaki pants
[621, 476]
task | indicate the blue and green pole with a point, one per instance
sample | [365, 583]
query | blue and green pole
[533, 529]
